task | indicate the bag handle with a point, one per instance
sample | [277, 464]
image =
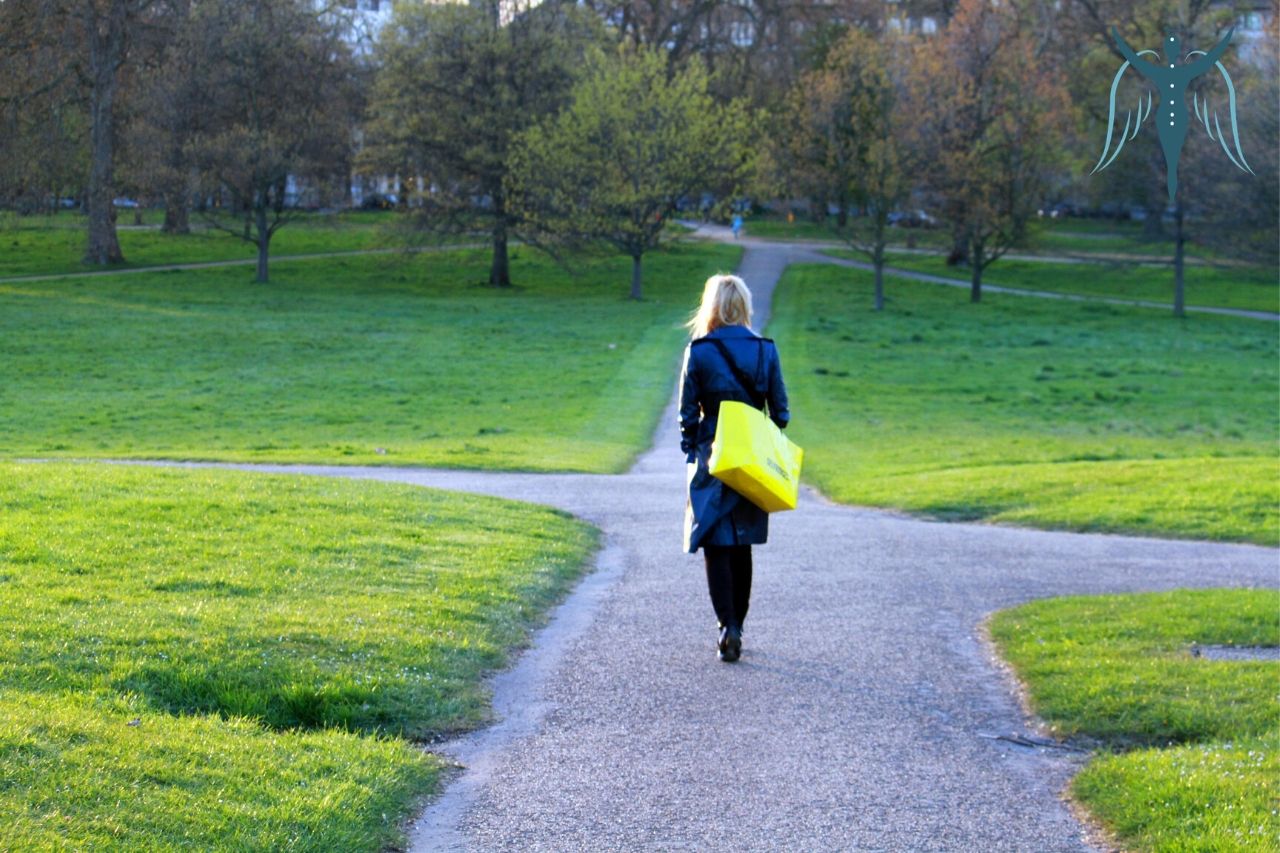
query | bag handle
[748, 383]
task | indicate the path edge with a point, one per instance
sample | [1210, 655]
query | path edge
[1093, 832]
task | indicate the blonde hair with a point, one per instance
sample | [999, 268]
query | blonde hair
[726, 301]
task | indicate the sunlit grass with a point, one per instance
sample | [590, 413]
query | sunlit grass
[1086, 417]
[1118, 671]
[232, 661]
[371, 360]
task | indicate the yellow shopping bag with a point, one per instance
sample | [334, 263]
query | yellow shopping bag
[754, 458]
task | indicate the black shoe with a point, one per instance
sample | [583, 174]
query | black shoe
[722, 645]
[731, 644]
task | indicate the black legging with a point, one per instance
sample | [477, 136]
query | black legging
[729, 581]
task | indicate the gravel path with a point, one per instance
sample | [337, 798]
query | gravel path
[864, 714]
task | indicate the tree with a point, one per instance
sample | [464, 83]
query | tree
[1215, 204]
[991, 116]
[632, 145]
[1085, 40]
[1236, 212]
[753, 49]
[840, 141]
[457, 83]
[43, 125]
[109, 29]
[167, 104]
[274, 77]
[95, 42]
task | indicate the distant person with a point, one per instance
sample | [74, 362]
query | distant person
[723, 354]
[737, 225]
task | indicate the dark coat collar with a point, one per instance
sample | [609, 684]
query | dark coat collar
[731, 332]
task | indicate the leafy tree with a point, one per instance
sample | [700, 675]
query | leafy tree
[274, 76]
[632, 145]
[990, 115]
[457, 83]
[840, 140]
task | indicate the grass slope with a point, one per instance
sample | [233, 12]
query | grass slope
[386, 360]
[1250, 288]
[233, 660]
[1204, 770]
[1033, 411]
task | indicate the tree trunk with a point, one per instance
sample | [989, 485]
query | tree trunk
[959, 250]
[500, 268]
[177, 218]
[175, 192]
[264, 241]
[635, 277]
[1153, 225]
[877, 259]
[975, 273]
[1179, 241]
[105, 49]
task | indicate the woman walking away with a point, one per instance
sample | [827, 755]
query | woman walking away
[725, 361]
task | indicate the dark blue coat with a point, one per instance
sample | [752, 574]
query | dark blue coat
[715, 514]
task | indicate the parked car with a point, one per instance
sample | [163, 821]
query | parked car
[1061, 210]
[912, 219]
[124, 202]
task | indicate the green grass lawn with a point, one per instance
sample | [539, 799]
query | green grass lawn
[40, 245]
[1068, 415]
[1116, 672]
[221, 660]
[1253, 288]
[1044, 236]
[391, 360]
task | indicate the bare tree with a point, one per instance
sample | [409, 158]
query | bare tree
[164, 105]
[109, 29]
[275, 77]
[990, 115]
[42, 120]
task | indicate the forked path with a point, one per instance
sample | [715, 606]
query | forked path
[862, 715]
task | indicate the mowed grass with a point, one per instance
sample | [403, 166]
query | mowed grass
[1117, 672]
[1248, 287]
[222, 660]
[382, 360]
[1033, 411]
[79, 773]
[1074, 237]
[47, 245]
